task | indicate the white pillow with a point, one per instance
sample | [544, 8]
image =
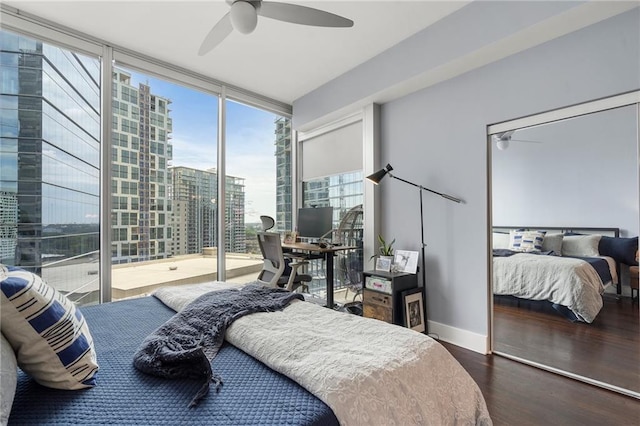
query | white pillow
[581, 245]
[553, 242]
[48, 333]
[500, 240]
[8, 379]
[526, 241]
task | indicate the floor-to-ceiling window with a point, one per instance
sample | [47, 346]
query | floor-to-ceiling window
[258, 169]
[155, 157]
[331, 161]
[163, 184]
[343, 192]
[49, 163]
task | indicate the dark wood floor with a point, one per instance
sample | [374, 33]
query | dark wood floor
[606, 350]
[517, 394]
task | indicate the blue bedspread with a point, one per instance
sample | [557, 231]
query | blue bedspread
[252, 395]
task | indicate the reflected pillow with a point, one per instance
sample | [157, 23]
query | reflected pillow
[553, 242]
[48, 333]
[526, 241]
[500, 240]
[581, 245]
[622, 250]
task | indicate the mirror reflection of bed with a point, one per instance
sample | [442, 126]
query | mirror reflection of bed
[582, 172]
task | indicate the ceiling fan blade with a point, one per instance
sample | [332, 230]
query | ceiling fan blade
[218, 33]
[525, 140]
[302, 15]
[504, 135]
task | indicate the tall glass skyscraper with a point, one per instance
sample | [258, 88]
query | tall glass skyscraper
[284, 188]
[49, 152]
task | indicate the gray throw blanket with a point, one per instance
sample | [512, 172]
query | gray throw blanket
[185, 345]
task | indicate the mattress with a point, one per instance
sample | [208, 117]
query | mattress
[252, 393]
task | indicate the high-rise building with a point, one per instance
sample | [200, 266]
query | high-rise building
[195, 208]
[284, 187]
[49, 152]
[140, 155]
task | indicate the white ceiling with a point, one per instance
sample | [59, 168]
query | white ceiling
[279, 60]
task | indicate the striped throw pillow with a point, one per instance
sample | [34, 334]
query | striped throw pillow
[526, 241]
[48, 333]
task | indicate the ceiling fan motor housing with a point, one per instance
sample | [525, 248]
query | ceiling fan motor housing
[244, 16]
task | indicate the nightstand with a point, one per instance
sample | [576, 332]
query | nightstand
[382, 294]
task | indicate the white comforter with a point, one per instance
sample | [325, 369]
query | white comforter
[367, 371]
[566, 281]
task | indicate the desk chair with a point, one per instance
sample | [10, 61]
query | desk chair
[276, 272]
[267, 222]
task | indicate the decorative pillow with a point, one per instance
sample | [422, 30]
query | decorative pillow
[500, 240]
[553, 242]
[526, 241]
[48, 333]
[8, 379]
[622, 250]
[581, 245]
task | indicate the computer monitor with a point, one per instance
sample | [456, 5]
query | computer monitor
[315, 222]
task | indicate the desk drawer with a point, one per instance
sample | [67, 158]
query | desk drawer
[377, 305]
[379, 284]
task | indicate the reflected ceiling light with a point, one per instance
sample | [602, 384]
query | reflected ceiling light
[502, 144]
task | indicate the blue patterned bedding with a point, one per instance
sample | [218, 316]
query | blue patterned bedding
[252, 393]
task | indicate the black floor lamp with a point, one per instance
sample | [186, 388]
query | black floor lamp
[376, 178]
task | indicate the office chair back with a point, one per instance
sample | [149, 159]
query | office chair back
[274, 264]
[267, 222]
[273, 258]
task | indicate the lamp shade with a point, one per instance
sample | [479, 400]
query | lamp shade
[377, 176]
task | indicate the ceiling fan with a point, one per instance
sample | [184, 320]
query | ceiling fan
[504, 138]
[243, 17]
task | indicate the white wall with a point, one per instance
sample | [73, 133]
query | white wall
[437, 137]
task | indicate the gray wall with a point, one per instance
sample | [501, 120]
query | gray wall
[437, 137]
[582, 172]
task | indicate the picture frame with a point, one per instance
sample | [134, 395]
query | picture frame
[413, 309]
[406, 261]
[383, 264]
[290, 237]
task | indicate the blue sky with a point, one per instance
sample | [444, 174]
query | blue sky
[250, 141]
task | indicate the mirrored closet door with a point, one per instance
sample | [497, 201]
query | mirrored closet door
[564, 184]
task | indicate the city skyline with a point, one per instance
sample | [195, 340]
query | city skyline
[250, 140]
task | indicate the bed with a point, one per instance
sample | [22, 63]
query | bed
[304, 365]
[567, 267]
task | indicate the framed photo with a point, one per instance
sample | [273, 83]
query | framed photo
[290, 237]
[383, 264]
[413, 309]
[406, 261]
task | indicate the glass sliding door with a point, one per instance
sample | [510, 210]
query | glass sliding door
[258, 182]
[164, 184]
[50, 163]
[343, 192]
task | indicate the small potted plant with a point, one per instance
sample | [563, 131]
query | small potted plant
[384, 250]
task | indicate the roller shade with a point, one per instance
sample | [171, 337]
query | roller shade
[332, 153]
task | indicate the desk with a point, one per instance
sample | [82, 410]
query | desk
[328, 253]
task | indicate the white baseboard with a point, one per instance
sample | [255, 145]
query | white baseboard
[456, 336]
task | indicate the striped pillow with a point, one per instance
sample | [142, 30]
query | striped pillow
[526, 241]
[48, 333]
